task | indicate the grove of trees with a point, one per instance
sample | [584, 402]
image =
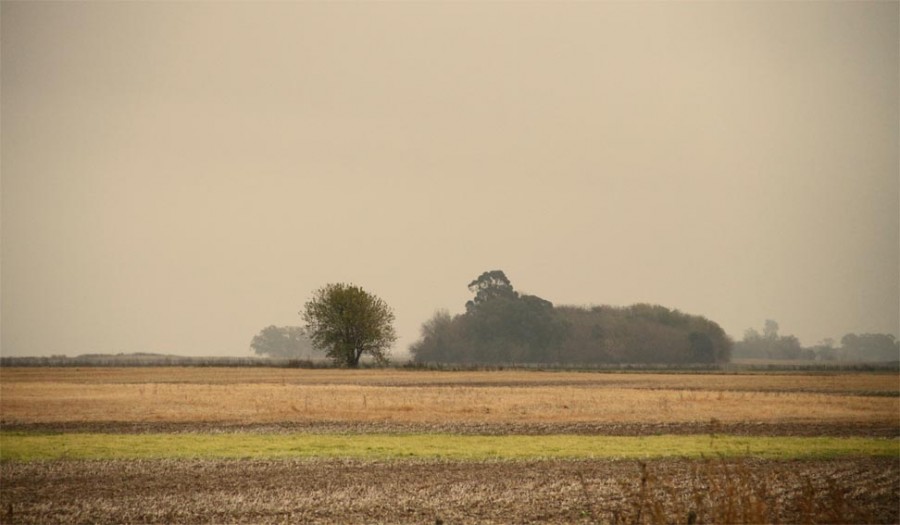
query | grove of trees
[282, 341]
[854, 347]
[503, 326]
[500, 325]
[768, 344]
[869, 347]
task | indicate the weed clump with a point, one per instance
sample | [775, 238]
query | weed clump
[720, 491]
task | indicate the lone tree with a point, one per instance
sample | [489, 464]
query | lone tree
[347, 322]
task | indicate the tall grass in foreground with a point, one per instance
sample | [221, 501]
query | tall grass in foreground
[730, 492]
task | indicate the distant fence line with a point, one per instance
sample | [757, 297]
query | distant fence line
[145, 361]
[811, 366]
[315, 363]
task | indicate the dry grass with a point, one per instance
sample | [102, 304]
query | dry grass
[264, 396]
[41, 447]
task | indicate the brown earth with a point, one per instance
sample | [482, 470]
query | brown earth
[487, 429]
[849, 490]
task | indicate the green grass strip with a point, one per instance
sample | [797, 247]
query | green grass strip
[30, 447]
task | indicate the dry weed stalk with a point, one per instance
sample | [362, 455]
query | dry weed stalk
[719, 491]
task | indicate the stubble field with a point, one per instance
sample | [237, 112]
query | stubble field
[259, 445]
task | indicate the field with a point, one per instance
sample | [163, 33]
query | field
[265, 445]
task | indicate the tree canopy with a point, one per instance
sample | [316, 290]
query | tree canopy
[282, 341]
[347, 323]
[488, 286]
[871, 347]
[854, 347]
[501, 325]
[769, 344]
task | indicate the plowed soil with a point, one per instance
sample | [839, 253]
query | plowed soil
[863, 490]
[881, 430]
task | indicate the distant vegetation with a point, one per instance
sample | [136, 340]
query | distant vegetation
[283, 341]
[854, 347]
[152, 360]
[503, 328]
[501, 325]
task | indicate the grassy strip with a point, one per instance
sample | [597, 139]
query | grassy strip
[29, 447]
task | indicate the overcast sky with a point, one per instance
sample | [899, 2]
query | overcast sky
[177, 176]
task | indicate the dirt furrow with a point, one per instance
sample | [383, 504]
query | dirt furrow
[863, 490]
[381, 427]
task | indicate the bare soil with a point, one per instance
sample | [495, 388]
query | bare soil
[863, 490]
[881, 430]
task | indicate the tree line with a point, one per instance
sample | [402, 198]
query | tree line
[503, 326]
[769, 344]
[500, 325]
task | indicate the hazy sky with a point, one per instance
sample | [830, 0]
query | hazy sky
[177, 176]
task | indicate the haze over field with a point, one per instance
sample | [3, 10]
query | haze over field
[177, 176]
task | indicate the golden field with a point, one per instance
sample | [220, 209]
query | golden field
[251, 395]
